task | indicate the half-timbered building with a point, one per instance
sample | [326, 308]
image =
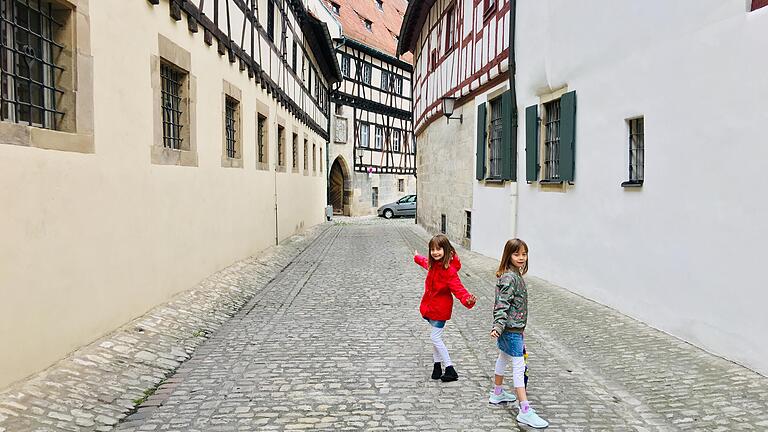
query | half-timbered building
[373, 150]
[463, 118]
[145, 145]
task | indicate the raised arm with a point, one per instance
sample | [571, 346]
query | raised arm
[421, 260]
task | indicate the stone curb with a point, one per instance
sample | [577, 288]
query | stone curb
[101, 383]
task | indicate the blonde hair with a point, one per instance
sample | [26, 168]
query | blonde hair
[506, 264]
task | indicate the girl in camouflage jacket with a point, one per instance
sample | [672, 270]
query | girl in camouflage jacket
[437, 302]
[510, 316]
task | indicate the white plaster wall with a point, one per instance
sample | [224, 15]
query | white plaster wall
[685, 252]
[90, 241]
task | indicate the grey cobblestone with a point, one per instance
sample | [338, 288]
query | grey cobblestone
[335, 342]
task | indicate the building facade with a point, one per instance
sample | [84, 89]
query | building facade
[372, 147]
[134, 164]
[465, 163]
[642, 137]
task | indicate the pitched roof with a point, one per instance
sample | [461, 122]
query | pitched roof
[385, 24]
[415, 15]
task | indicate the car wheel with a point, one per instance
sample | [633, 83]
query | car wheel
[388, 213]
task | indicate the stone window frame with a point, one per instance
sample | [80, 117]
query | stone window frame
[262, 110]
[176, 56]
[281, 165]
[541, 139]
[75, 133]
[306, 155]
[295, 150]
[231, 91]
[314, 158]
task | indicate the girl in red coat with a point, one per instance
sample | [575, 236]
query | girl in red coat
[437, 303]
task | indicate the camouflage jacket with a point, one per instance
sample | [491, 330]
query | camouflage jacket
[510, 311]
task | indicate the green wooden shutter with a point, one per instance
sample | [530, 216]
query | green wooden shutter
[532, 143]
[568, 136]
[508, 138]
[480, 168]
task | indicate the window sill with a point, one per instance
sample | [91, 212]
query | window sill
[30, 136]
[632, 184]
[263, 166]
[280, 168]
[228, 162]
[169, 156]
[295, 170]
[551, 182]
[494, 181]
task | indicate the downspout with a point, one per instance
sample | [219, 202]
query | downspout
[512, 89]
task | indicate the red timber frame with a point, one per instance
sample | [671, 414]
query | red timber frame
[477, 60]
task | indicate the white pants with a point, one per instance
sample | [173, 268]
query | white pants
[439, 350]
[518, 368]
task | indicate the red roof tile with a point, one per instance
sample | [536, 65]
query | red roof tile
[385, 24]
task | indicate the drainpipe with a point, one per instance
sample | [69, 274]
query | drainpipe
[513, 90]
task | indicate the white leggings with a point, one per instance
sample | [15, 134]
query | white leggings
[518, 368]
[439, 350]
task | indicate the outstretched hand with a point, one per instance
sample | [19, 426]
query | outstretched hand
[415, 252]
[471, 300]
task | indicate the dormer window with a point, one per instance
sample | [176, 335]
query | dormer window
[368, 25]
[380, 4]
[336, 8]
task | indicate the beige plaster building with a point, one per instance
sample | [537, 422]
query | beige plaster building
[144, 145]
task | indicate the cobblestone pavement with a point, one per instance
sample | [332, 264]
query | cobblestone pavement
[334, 341]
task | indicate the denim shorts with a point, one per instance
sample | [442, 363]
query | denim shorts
[511, 343]
[435, 323]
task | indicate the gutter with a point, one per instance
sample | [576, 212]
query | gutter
[512, 88]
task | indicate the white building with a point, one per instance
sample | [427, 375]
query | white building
[643, 123]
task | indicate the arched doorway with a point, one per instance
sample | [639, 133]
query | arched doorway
[341, 187]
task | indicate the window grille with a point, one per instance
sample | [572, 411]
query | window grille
[230, 115]
[27, 60]
[280, 146]
[468, 232]
[400, 185]
[495, 143]
[443, 224]
[171, 102]
[306, 155]
[636, 150]
[262, 125]
[374, 197]
[552, 140]
[295, 153]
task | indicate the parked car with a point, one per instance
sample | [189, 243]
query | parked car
[405, 206]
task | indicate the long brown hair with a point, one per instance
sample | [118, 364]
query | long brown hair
[441, 242]
[512, 246]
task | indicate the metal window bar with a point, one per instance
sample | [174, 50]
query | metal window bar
[27, 53]
[229, 114]
[636, 149]
[295, 153]
[261, 124]
[552, 140]
[170, 100]
[468, 234]
[495, 139]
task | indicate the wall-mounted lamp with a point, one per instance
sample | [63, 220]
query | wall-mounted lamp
[448, 103]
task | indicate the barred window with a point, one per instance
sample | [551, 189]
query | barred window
[262, 141]
[636, 152]
[552, 140]
[495, 140]
[28, 56]
[295, 153]
[314, 157]
[172, 79]
[306, 156]
[468, 231]
[400, 185]
[280, 146]
[231, 127]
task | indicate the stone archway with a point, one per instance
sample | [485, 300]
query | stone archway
[341, 187]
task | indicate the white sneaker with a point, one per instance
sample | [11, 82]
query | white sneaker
[532, 419]
[503, 397]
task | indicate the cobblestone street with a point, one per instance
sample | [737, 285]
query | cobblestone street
[336, 342]
[323, 333]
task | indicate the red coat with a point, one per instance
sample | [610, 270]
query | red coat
[437, 301]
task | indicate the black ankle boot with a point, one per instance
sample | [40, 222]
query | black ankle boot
[437, 371]
[449, 375]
